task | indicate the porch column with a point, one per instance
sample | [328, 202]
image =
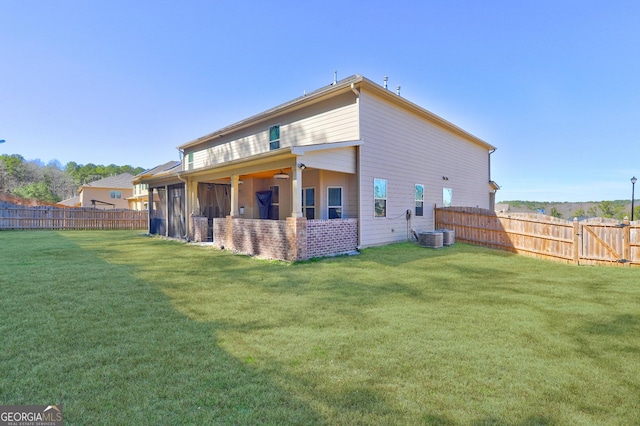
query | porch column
[296, 191]
[166, 210]
[235, 179]
[190, 192]
[150, 207]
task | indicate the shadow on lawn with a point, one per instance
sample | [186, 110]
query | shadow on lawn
[203, 382]
[620, 325]
[124, 355]
[407, 252]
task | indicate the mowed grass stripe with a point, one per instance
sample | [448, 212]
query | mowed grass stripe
[126, 328]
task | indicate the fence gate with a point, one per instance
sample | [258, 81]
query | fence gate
[604, 242]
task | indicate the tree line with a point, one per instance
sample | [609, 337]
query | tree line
[617, 209]
[52, 182]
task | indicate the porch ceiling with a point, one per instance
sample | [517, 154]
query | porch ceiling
[263, 174]
[267, 174]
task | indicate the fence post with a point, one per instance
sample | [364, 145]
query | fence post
[576, 241]
[626, 243]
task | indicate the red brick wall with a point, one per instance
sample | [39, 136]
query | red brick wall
[199, 228]
[220, 232]
[291, 240]
[331, 237]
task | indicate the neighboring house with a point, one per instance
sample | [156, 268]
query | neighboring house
[108, 193]
[349, 165]
[502, 207]
[140, 198]
[71, 202]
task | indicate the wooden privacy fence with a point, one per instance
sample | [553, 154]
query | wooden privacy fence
[595, 241]
[49, 217]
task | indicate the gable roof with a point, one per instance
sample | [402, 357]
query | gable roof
[71, 202]
[352, 83]
[170, 168]
[121, 181]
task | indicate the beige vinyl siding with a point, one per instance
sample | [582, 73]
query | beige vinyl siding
[104, 194]
[333, 120]
[321, 180]
[339, 160]
[406, 149]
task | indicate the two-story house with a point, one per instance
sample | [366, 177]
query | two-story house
[107, 193]
[349, 165]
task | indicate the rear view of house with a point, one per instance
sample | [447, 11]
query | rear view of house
[349, 165]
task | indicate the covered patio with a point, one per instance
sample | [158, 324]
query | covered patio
[293, 204]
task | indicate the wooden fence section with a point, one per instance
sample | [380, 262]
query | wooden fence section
[48, 217]
[594, 241]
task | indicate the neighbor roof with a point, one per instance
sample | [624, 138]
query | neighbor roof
[167, 169]
[121, 181]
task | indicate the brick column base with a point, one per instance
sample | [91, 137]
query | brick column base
[296, 238]
[199, 228]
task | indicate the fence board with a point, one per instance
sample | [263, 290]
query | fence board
[593, 242]
[14, 217]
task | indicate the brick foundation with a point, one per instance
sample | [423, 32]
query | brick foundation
[331, 237]
[199, 228]
[290, 240]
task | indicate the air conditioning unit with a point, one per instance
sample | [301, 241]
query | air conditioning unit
[448, 236]
[432, 239]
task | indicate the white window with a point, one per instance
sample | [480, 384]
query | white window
[190, 161]
[447, 196]
[274, 137]
[275, 202]
[116, 194]
[334, 202]
[419, 199]
[380, 197]
[309, 203]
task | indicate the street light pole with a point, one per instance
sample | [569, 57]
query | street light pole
[633, 196]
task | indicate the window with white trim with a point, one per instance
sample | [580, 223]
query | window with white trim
[309, 203]
[115, 194]
[334, 202]
[419, 199]
[274, 137]
[380, 197]
[275, 202]
[190, 161]
[447, 196]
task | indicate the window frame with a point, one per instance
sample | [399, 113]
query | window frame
[419, 200]
[376, 199]
[274, 143]
[338, 208]
[447, 197]
[115, 194]
[305, 207]
[274, 210]
[190, 161]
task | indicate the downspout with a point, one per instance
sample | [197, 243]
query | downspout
[354, 90]
[492, 199]
[491, 151]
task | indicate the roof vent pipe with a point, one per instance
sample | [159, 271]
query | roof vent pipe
[385, 82]
[398, 90]
[335, 78]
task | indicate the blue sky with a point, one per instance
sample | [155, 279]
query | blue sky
[554, 85]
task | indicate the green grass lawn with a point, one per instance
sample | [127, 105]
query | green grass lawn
[124, 329]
